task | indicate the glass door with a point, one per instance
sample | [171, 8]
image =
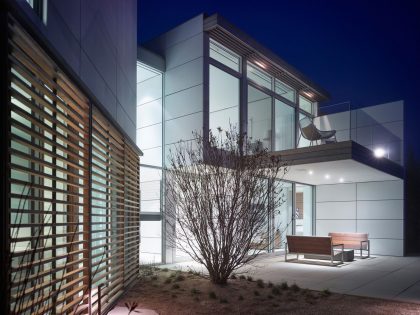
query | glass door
[303, 210]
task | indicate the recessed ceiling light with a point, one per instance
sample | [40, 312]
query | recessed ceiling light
[327, 176]
[310, 172]
[379, 152]
[341, 179]
[308, 94]
[260, 64]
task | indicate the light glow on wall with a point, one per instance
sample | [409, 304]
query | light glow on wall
[379, 153]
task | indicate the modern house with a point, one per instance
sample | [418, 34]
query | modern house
[70, 165]
[206, 73]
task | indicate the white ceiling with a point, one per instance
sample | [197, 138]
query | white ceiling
[347, 170]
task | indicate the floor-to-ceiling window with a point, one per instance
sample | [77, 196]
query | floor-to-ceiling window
[303, 209]
[150, 139]
[282, 223]
[224, 89]
[259, 118]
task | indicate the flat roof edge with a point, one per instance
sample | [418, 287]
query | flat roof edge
[216, 20]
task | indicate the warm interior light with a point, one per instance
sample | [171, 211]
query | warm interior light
[327, 176]
[379, 152]
[309, 94]
[310, 172]
[260, 64]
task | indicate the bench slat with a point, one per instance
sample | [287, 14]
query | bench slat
[350, 240]
[309, 244]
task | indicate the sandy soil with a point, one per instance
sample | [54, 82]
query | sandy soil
[170, 292]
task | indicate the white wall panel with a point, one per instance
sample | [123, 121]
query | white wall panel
[336, 210]
[185, 76]
[340, 192]
[323, 227]
[184, 102]
[387, 247]
[380, 209]
[380, 190]
[182, 52]
[381, 228]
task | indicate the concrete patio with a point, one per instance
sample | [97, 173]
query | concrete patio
[385, 277]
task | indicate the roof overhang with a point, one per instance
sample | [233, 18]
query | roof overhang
[340, 162]
[234, 38]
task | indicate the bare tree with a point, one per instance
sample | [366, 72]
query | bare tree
[220, 193]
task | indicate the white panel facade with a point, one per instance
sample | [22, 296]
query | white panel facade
[98, 41]
[373, 207]
[339, 192]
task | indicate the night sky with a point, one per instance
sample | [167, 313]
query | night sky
[366, 52]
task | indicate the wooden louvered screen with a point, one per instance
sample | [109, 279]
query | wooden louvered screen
[49, 209]
[74, 192]
[132, 218]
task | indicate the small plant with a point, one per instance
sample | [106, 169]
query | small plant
[175, 286]
[165, 269]
[174, 296]
[249, 278]
[294, 287]
[270, 284]
[223, 300]
[242, 277]
[326, 292]
[197, 299]
[284, 286]
[212, 295]
[196, 273]
[179, 278]
[260, 283]
[190, 272]
[233, 276]
[168, 280]
[154, 277]
[195, 291]
[256, 293]
[276, 290]
[172, 275]
[131, 306]
[240, 298]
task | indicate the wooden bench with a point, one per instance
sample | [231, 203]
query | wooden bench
[319, 245]
[356, 241]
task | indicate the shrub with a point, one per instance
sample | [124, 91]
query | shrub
[276, 290]
[165, 269]
[249, 278]
[195, 291]
[260, 283]
[326, 292]
[168, 280]
[172, 275]
[270, 284]
[175, 286]
[284, 286]
[242, 277]
[212, 295]
[179, 278]
[256, 293]
[295, 287]
[154, 277]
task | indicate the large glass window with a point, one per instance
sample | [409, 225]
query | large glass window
[284, 126]
[223, 100]
[303, 209]
[305, 104]
[259, 118]
[149, 114]
[259, 76]
[285, 91]
[225, 55]
[282, 222]
[302, 141]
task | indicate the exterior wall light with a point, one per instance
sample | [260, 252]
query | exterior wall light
[327, 176]
[379, 153]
